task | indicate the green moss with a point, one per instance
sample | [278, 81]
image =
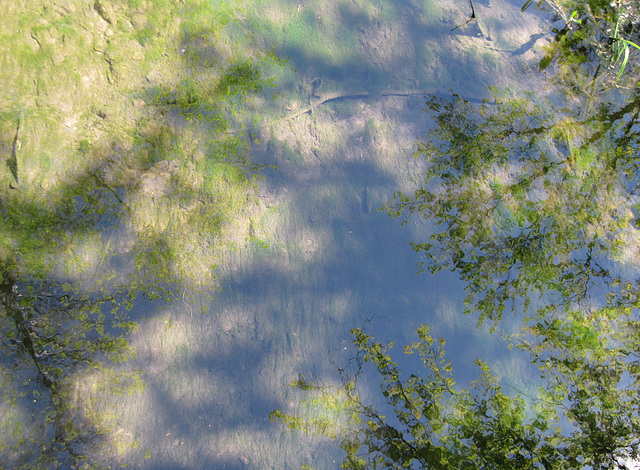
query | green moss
[241, 78]
[87, 140]
[84, 146]
[281, 150]
[309, 35]
[371, 127]
[430, 9]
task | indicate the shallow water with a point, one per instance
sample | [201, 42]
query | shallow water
[333, 261]
[336, 148]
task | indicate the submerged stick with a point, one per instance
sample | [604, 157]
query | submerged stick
[364, 95]
[12, 163]
[471, 18]
[184, 291]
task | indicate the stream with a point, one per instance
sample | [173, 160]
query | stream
[332, 263]
[332, 141]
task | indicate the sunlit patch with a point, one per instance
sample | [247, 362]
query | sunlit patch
[96, 398]
[83, 257]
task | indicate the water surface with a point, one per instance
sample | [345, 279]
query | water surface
[332, 262]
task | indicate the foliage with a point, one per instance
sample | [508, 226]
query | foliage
[526, 203]
[533, 199]
[429, 422]
[55, 336]
[595, 37]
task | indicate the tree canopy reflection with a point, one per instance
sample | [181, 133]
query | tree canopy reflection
[533, 202]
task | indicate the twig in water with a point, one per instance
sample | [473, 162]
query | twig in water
[471, 18]
[184, 291]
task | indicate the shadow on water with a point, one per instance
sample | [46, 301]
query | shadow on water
[400, 46]
[331, 263]
[290, 309]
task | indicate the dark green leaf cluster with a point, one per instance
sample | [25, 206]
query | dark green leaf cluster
[585, 416]
[435, 425]
[241, 78]
[525, 202]
[598, 37]
[52, 335]
[591, 363]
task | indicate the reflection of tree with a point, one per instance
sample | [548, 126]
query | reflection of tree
[429, 422]
[594, 43]
[127, 189]
[525, 202]
[531, 198]
[63, 320]
[533, 203]
[52, 337]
